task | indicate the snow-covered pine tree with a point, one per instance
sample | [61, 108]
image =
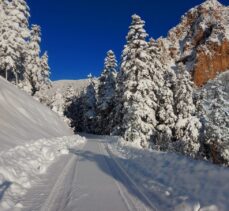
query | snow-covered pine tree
[163, 79]
[45, 73]
[166, 117]
[57, 103]
[37, 69]
[33, 64]
[89, 101]
[2, 14]
[69, 96]
[43, 83]
[217, 135]
[75, 112]
[14, 32]
[106, 93]
[215, 111]
[60, 102]
[136, 101]
[188, 125]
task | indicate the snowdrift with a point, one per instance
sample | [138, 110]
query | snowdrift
[172, 181]
[22, 118]
[21, 166]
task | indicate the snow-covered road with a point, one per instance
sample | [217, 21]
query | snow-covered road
[100, 173]
[90, 179]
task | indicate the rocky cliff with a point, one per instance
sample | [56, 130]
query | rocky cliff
[201, 41]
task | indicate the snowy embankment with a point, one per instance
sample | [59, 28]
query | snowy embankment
[28, 142]
[171, 181]
[21, 166]
[23, 119]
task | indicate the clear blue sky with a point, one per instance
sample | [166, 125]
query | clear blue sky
[78, 33]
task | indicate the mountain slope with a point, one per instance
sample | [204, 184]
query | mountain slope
[201, 41]
[62, 85]
[23, 119]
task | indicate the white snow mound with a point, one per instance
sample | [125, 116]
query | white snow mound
[22, 118]
[20, 166]
[172, 181]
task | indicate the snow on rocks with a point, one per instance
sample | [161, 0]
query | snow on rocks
[21, 166]
[171, 181]
[201, 40]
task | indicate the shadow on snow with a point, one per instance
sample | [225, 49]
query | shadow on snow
[3, 188]
[109, 166]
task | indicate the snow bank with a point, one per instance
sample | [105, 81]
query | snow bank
[22, 118]
[174, 182]
[20, 166]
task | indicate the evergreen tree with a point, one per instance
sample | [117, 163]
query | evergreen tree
[136, 107]
[69, 94]
[187, 125]
[166, 118]
[215, 113]
[14, 32]
[106, 93]
[163, 79]
[43, 83]
[216, 134]
[2, 14]
[69, 97]
[44, 76]
[75, 112]
[89, 101]
[57, 103]
[33, 64]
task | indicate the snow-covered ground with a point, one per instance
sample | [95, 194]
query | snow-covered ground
[89, 181]
[108, 174]
[32, 138]
[24, 119]
[171, 181]
[21, 166]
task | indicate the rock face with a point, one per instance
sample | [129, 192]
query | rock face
[207, 67]
[201, 41]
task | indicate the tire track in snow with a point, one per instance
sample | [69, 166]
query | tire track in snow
[130, 181]
[71, 167]
[49, 203]
[61, 192]
[129, 207]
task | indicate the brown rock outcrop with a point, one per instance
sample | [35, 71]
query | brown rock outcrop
[201, 41]
[208, 66]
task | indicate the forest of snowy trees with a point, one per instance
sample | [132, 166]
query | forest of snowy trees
[21, 61]
[148, 99]
[144, 101]
[149, 103]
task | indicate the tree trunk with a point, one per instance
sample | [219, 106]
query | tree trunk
[16, 78]
[6, 74]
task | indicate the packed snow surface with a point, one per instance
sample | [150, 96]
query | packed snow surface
[23, 119]
[90, 180]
